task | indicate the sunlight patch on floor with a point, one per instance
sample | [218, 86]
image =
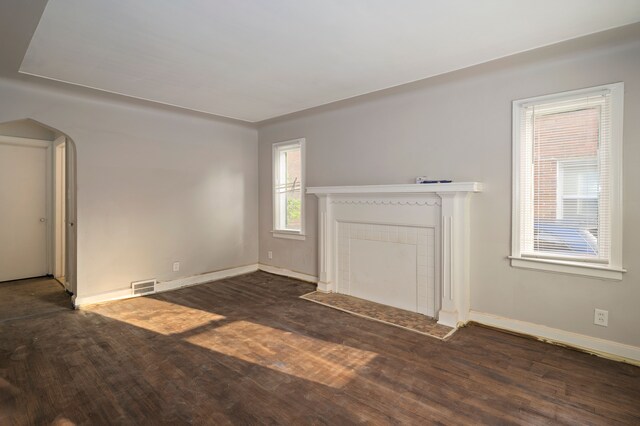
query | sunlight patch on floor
[320, 361]
[159, 316]
[323, 362]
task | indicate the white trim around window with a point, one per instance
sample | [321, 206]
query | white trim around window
[279, 182]
[523, 253]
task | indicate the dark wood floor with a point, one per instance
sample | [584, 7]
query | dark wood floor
[34, 296]
[247, 350]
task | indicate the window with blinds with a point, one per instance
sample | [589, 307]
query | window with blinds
[567, 201]
[288, 187]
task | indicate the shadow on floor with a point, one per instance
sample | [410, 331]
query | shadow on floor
[33, 296]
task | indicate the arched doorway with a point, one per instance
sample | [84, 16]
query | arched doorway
[38, 206]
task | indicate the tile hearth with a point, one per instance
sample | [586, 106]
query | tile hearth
[382, 313]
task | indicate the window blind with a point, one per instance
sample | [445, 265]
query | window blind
[565, 178]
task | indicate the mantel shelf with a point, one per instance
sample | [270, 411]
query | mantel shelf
[412, 188]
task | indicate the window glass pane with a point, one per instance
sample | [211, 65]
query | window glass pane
[293, 166]
[293, 187]
[293, 210]
[288, 188]
[566, 181]
[580, 179]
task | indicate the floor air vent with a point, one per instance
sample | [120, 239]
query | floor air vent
[143, 287]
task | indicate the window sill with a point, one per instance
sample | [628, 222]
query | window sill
[566, 267]
[290, 235]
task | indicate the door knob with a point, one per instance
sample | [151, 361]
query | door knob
[42, 219]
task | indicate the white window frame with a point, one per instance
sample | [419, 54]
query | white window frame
[275, 162]
[613, 268]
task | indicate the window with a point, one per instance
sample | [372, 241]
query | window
[567, 165]
[288, 189]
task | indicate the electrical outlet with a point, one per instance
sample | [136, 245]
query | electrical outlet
[601, 317]
[176, 266]
[270, 254]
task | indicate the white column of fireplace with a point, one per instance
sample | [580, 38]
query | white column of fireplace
[402, 245]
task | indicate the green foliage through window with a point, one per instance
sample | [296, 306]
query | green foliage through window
[293, 210]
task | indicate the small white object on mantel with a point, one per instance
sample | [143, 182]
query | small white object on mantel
[443, 207]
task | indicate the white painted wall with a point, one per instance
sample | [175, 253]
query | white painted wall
[459, 126]
[154, 186]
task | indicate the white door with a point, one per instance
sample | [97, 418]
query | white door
[23, 210]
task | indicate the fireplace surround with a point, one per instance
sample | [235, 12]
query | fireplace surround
[402, 245]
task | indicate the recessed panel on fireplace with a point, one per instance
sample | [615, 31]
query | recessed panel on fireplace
[389, 264]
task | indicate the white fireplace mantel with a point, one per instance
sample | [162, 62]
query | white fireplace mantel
[442, 209]
[411, 188]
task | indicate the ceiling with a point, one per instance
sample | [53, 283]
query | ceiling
[254, 59]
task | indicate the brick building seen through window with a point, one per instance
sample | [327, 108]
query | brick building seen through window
[566, 181]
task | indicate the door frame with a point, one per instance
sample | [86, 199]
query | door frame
[71, 208]
[71, 212]
[59, 207]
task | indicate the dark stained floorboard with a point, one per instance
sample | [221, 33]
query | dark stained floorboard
[33, 296]
[246, 350]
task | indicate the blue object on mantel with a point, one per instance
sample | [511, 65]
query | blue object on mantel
[425, 180]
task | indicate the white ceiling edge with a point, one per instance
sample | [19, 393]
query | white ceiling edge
[140, 98]
[475, 64]
[304, 98]
[274, 117]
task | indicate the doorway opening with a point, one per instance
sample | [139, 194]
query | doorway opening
[38, 208]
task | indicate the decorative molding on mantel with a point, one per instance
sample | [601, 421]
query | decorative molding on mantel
[443, 206]
[391, 202]
[411, 188]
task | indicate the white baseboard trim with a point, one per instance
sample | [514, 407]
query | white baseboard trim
[79, 302]
[287, 273]
[204, 278]
[163, 286]
[601, 347]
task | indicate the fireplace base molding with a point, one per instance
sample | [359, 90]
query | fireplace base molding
[406, 246]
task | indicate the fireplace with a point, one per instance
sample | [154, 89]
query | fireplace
[401, 245]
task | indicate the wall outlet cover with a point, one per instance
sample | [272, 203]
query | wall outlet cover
[601, 317]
